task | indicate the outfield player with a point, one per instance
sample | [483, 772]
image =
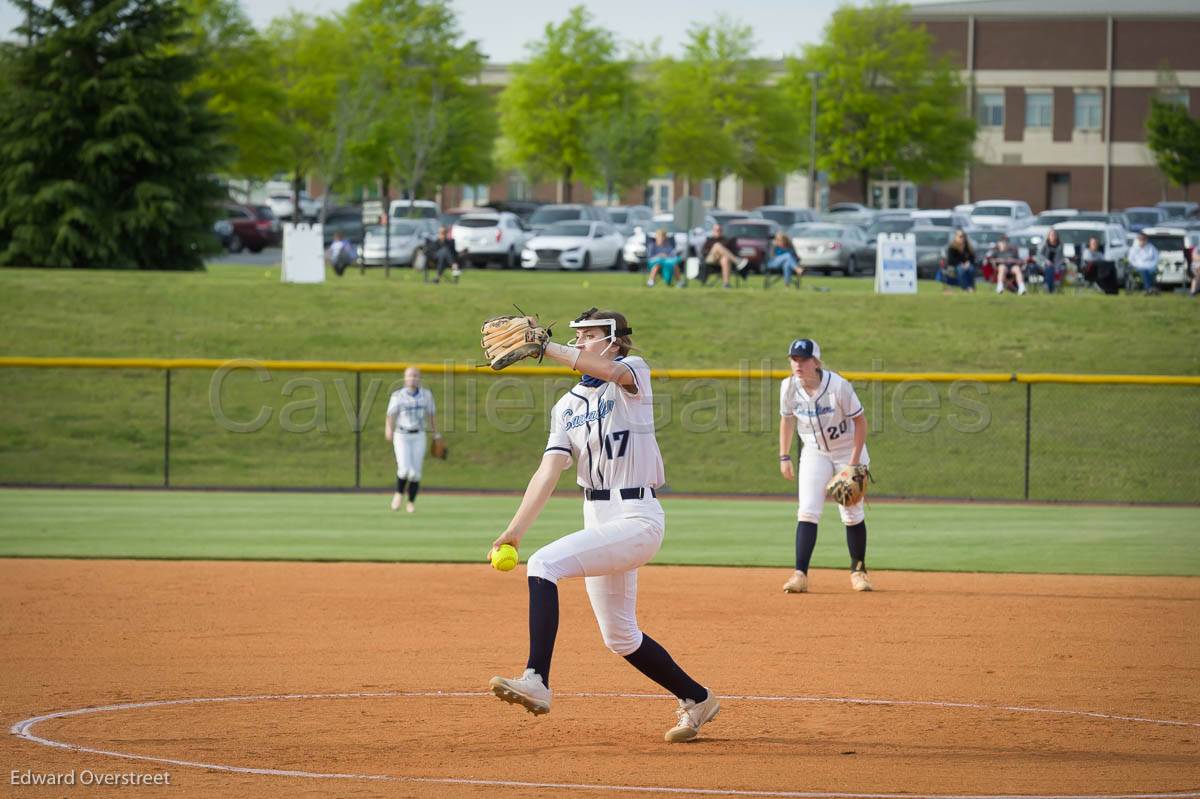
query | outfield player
[822, 405]
[605, 423]
[410, 410]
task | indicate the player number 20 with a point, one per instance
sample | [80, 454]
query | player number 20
[618, 440]
[835, 432]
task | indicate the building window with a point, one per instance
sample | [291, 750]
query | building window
[991, 109]
[1039, 109]
[1089, 111]
[1174, 96]
[518, 187]
[707, 190]
[474, 195]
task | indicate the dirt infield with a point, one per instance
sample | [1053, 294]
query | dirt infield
[979, 655]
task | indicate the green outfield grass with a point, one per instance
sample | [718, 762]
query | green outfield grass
[106, 426]
[460, 528]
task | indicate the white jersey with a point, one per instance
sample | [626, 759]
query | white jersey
[610, 432]
[823, 417]
[408, 409]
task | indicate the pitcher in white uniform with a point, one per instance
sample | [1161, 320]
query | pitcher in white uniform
[606, 424]
[822, 406]
[410, 410]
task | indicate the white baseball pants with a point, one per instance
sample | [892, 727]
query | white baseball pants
[817, 468]
[619, 535]
[410, 454]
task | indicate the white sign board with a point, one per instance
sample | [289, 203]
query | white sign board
[896, 264]
[303, 254]
[372, 212]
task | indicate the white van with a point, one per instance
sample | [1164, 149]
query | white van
[1001, 214]
[414, 209]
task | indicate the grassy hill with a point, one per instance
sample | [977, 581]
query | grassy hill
[935, 440]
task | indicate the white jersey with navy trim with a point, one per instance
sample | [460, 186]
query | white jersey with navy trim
[823, 417]
[409, 410]
[610, 432]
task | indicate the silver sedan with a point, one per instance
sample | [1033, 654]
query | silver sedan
[824, 247]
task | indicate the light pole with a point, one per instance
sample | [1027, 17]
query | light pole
[814, 78]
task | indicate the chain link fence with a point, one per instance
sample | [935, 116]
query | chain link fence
[245, 425]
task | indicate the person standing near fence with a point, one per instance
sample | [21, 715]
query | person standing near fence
[410, 410]
[824, 408]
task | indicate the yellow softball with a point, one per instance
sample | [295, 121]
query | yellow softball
[504, 558]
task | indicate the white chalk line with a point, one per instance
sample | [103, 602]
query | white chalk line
[24, 729]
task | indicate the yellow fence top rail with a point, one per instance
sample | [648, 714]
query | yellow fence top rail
[550, 371]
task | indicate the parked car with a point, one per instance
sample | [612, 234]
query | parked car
[1179, 210]
[347, 221]
[849, 214]
[887, 222]
[1041, 224]
[724, 216]
[634, 251]
[950, 219]
[983, 239]
[574, 244]
[1005, 214]
[1174, 255]
[1117, 218]
[827, 247]
[931, 245]
[1143, 217]
[1074, 236]
[281, 205]
[783, 215]
[448, 218]
[491, 237]
[627, 218]
[752, 240]
[548, 215]
[414, 209]
[964, 208]
[406, 237]
[522, 208]
[252, 229]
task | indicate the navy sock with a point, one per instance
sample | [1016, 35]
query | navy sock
[657, 664]
[543, 625]
[806, 540]
[413, 485]
[856, 542]
[401, 482]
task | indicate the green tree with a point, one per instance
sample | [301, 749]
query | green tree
[884, 101]
[622, 143]
[725, 115]
[431, 122]
[1174, 138]
[105, 159]
[239, 86]
[572, 78]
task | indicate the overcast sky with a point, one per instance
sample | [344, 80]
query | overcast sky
[503, 28]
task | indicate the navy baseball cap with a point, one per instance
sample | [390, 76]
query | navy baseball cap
[804, 348]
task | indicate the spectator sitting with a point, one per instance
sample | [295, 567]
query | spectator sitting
[1007, 262]
[443, 253]
[960, 263]
[718, 249]
[783, 257]
[341, 253]
[1143, 256]
[1096, 269]
[662, 257]
[1050, 259]
[1192, 265]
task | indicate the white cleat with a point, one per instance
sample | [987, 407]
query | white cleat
[797, 584]
[528, 690]
[396, 499]
[411, 508]
[859, 581]
[692, 717]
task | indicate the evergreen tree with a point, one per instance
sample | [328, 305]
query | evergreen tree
[105, 159]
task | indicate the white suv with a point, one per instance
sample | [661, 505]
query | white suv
[1113, 242]
[414, 209]
[1172, 245]
[1001, 214]
[483, 237]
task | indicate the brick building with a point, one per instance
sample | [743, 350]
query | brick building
[1061, 90]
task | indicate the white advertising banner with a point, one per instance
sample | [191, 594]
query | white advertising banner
[896, 264]
[303, 254]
